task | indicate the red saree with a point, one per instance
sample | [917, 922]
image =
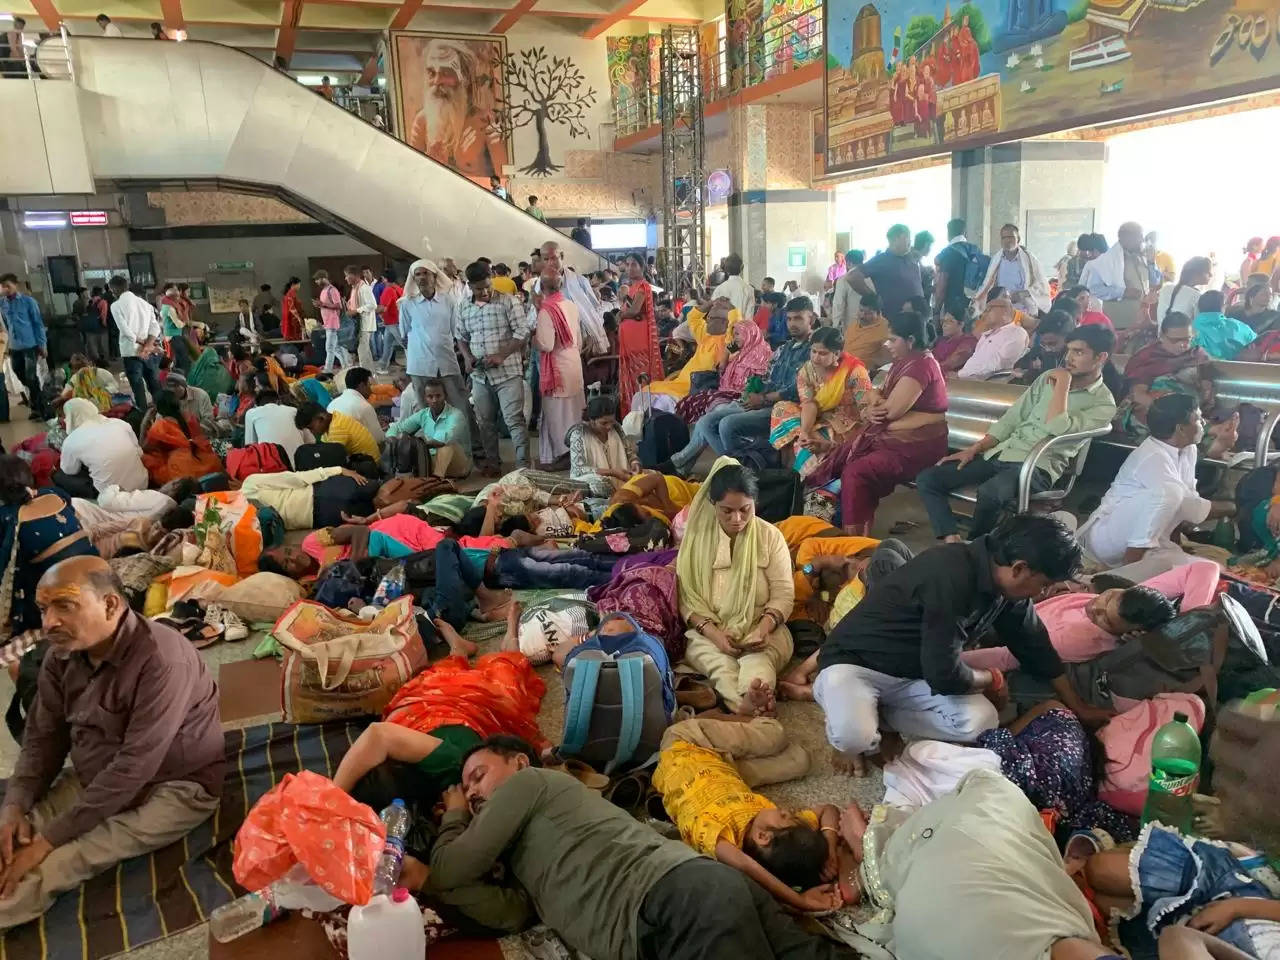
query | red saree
[638, 346]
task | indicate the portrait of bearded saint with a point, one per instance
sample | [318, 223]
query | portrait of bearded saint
[454, 126]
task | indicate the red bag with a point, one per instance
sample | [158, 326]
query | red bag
[256, 458]
[306, 819]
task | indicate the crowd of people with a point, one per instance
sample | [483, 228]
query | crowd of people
[990, 675]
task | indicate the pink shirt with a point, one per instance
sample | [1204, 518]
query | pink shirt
[836, 271]
[330, 307]
[1077, 638]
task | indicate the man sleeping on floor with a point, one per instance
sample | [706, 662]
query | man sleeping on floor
[133, 706]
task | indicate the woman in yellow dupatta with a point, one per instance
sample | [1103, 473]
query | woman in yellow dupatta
[652, 493]
[733, 574]
[711, 333]
[834, 391]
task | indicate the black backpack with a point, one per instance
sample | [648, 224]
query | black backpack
[309, 456]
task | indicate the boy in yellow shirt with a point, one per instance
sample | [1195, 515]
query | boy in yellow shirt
[705, 773]
[337, 427]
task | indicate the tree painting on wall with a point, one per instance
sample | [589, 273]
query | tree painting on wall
[546, 91]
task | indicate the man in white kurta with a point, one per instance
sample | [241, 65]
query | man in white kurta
[1131, 532]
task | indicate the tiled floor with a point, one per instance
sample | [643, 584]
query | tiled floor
[803, 720]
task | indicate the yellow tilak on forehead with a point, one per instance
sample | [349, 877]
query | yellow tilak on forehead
[48, 595]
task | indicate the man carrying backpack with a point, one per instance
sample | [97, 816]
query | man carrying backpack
[959, 265]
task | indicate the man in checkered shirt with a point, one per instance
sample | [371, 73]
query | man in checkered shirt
[493, 329]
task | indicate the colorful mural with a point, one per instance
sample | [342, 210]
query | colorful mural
[631, 77]
[921, 76]
[450, 100]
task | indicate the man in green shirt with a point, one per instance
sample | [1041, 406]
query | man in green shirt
[534, 210]
[1068, 399]
[610, 886]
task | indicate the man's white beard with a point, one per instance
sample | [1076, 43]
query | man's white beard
[445, 113]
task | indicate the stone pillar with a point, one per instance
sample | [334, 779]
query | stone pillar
[1052, 189]
[772, 208]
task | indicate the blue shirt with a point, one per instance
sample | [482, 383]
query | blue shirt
[1009, 274]
[22, 316]
[449, 427]
[786, 363]
[429, 328]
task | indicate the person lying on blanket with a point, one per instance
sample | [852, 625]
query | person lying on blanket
[133, 706]
[416, 753]
[706, 771]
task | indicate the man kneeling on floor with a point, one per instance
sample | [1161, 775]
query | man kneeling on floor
[896, 654]
[134, 707]
[609, 885]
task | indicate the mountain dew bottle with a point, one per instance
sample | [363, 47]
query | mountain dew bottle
[1175, 774]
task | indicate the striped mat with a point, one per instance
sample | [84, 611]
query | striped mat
[169, 891]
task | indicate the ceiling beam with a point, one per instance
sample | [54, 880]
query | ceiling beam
[512, 16]
[288, 33]
[48, 13]
[171, 10]
[620, 13]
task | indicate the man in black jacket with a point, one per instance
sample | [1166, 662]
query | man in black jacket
[896, 655]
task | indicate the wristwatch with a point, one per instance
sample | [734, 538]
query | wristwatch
[808, 569]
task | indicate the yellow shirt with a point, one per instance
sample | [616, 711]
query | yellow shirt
[352, 434]
[505, 285]
[707, 799]
[709, 354]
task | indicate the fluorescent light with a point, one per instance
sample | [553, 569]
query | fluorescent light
[44, 220]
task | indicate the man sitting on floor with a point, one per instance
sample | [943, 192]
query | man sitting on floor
[610, 886]
[337, 427]
[1131, 532]
[1068, 399]
[896, 655]
[441, 427]
[133, 706]
[354, 402]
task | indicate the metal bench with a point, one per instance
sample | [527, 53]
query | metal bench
[1256, 383]
[973, 405]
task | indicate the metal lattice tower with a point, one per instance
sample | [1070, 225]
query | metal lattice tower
[684, 179]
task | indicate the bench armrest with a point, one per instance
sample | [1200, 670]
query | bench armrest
[1271, 420]
[1032, 459]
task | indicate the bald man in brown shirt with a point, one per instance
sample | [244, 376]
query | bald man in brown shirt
[133, 706]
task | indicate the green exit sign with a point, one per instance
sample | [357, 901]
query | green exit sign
[797, 257]
[232, 265]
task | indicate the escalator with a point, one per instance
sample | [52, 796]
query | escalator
[196, 115]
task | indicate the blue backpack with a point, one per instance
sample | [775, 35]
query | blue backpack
[619, 697]
[976, 264]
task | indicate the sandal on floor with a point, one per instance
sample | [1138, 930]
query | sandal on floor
[654, 807]
[628, 791]
[693, 690]
[200, 634]
[582, 772]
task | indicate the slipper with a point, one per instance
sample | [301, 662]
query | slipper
[694, 690]
[654, 807]
[582, 772]
[629, 791]
[200, 634]
[903, 526]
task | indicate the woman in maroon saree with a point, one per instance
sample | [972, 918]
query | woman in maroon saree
[907, 432]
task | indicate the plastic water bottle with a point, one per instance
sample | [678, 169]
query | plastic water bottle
[396, 820]
[391, 587]
[387, 928]
[253, 910]
[1175, 774]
